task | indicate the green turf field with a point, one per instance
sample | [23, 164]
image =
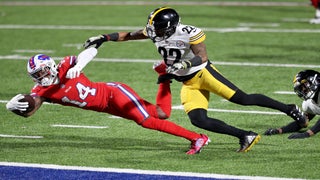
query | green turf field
[277, 39]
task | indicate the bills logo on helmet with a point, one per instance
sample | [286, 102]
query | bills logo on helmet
[43, 57]
[32, 64]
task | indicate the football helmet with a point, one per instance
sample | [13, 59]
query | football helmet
[42, 69]
[162, 23]
[306, 83]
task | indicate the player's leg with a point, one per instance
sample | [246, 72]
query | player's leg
[220, 85]
[163, 98]
[133, 107]
[195, 103]
[197, 140]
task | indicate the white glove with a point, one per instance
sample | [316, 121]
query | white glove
[176, 66]
[14, 103]
[74, 72]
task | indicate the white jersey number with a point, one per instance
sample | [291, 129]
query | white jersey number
[170, 56]
[84, 91]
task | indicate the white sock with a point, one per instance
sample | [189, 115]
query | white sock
[317, 13]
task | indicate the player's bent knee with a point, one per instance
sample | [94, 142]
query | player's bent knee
[198, 117]
[162, 114]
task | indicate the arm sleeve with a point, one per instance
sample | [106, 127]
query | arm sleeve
[85, 57]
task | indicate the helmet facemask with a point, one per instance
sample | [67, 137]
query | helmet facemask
[42, 70]
[162, 24]
[306, 88]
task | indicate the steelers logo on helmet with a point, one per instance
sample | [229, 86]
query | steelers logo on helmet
[306, 83]
[42, 69]
[162, 23]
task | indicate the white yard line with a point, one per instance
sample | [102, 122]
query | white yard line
[23, 137]
[78, 126]
[143, 3]
[132, 28]
[313, 66]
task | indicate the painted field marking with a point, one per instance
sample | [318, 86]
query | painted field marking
[284, 92]
[143, 3]
[78, 126]
[20, 57]
[133, 28]
[167, 174]
[23, 137]
[180, 107]
[33, 51]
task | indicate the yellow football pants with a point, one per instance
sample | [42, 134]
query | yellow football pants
[195, 92]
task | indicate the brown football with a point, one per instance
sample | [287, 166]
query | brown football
[31, 102]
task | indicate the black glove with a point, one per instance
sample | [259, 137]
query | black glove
[271, 131]
[163, 78]
[299, 135]
[95, 41]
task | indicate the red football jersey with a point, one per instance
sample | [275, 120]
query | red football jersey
[78, 92]
[111, 97]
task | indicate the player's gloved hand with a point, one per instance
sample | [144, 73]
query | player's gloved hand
[95, 41]
[299, 135]
[14, 103]
[177, 66]
[271, 131]
[73, 72]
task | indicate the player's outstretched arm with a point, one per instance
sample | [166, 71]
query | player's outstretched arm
[24, 104]
[97, 41]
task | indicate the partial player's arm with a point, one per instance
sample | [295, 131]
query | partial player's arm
[201, 51]
[24, 105]
[82, 60]
[117, 36]
[200, 57]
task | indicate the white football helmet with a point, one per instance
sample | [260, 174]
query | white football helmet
[42, 69]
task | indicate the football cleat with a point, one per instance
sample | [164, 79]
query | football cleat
[248, 141]
[315, 20]
[271, 131]
[160, 67]
[298, 115]
[198, 144]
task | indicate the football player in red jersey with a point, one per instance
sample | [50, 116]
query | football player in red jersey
[316, 5]
[184, 52]
[65, 84]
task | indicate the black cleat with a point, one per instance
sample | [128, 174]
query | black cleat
[248, 141]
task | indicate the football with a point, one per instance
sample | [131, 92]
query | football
[31, 103]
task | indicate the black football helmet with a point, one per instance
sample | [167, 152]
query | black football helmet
[162, 23]
[306, 83]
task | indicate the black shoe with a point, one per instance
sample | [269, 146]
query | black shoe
[247, 142]
[271, 131]
[298, 115]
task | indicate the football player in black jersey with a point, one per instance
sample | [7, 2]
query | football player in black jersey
[185, 56]
[306, 85]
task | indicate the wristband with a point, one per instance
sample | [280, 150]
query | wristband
[112, 37]
[195, 61]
